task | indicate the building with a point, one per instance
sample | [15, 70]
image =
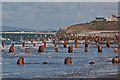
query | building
[112, 18]
[63, 30]
[100, 19]
[63, 27]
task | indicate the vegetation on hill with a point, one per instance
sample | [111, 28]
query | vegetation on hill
[95, 25]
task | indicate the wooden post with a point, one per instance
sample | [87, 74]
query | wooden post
[75, 40]
[23, 44]
[67, 60]
[53, 41]
[99, 39]
[45, 63]
[115, 59]
[12, 45]
[40, 48]
[11, 49]
[18, 37]
[31, 42]
[55, 45]
[96, 39]
[65, 44]
[10, 37]
[26, 50]
[97, 44]
[56, 49]
[44, 44]
[20, 61]
[91, 62]
[85, 49]
[75, 45]
[2, 44]
[115, 50]
[86, 43]
[108, 44]
[100, 48]
[35, 38]
[34, 44]
[24, 37]
[70, 48]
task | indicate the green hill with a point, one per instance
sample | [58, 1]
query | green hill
[94, 25]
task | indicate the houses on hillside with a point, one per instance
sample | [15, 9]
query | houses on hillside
[109, 18]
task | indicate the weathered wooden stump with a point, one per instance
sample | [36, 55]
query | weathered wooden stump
[99, 39]
[100, 48]
[97, 44]
[115, 59]
[56, 49]
[65, 44]
[115, 50]
[53, 41]
[23, 44]
[11, 50]
[67, 60]
[86, 43]
[15, 37]
[108, 44]
[91, 62]
[75, 45]
[34, 44]
[40, 48]
[85, 49]
[45, 63]
[44, 44]
[24, 38]
[55, 45]
[12, 45]
[31, 42]
[75, 41]
[2, 44]
[20, 61]
[70, 49]
[10, 37]
[26, 50]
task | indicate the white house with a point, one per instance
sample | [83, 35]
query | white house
[112, 18]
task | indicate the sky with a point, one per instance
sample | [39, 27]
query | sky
[48, 16]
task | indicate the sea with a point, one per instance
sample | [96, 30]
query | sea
[34, 67]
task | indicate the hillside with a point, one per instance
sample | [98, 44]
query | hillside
[99, 25]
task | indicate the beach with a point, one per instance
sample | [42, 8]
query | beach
[33, 66]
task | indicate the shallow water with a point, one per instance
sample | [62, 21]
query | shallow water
[33, 67]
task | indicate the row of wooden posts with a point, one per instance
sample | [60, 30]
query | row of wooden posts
[97, 38]
[68, 60]
[70, 48]
[72, 37]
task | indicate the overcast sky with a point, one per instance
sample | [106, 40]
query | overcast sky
[50, 15]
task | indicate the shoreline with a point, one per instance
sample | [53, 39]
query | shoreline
[27, 32]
